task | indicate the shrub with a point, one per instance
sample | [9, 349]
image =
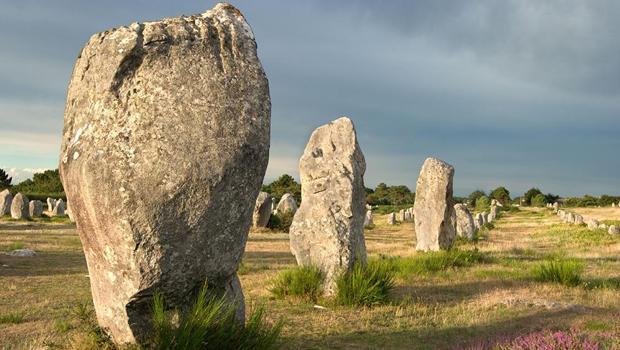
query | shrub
[430, 262]
[13, 318]
[303, 281]
[501, 194]
[210, 324]
[539, 200]
[473, 197]
[550, 340]
[483, 203]
[365, 285]
[281, 222]
[562, 271]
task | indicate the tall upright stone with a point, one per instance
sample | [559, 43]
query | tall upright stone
[287, 204]
[262, 210]
[465, 226]
[165, 146]
[328, 228]
[59, 208]
[35, 208]
[391, 219]
[478, 221]
[20, 207]
[51, 203]
[368, 220]
[6, 198]
[434, 206]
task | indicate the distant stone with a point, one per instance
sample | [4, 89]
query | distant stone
[328, 228]
[578, 219]
[51, 203]
[434, 206]
[35, 208]
[402, 216]
[6, 198]
[20, 208]
[592, 224]
[391, 219]
[59, 208]
[485, 217]
[493, 213]
[602, 226]
[287, 204]
[614, 230]
[465, 226]
[262, 210]
[368, 218]
[556, 205]
[479, 221]
[569, 218]
[24, 253]
[165, 147]
[613, 205]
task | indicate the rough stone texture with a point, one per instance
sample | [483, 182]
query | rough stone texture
[59, 208]
[493, 213]
[51, 203]
[35, 208]
[434, 206]
[166, 142]
[391, 219]
[262, 210]
[478, 221]
[578, 219]
[592, 224]
[401, 215]
[465, 226]
[569, 218]
[24, 253]
[485, 217]
[5, 202]
[328, 229]
[287, 204]
[368, 218]
[20, 208]
[614, 230]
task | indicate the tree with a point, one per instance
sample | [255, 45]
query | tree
[473, 197]
[390, 195]
[5, 180]
[551, 198]
[483, 203]
[45, 182]
[531, 193]
[284, 184]
[501, 194]
[539, 200]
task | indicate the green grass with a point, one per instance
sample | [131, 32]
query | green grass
[611, 222]
[15, 246]
[432, 262]
[365, 285]
[303, 281]
[578, 235]
[11, 318]
[62, 326]
[210, 324]
[386, 209]
[563, 271]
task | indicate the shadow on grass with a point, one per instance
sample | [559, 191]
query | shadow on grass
[268, 258]
[43, 264]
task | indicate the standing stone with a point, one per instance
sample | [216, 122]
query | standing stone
[556, 205]
[59, 208]
[20, 208]
[5, 202]
[35, 208]
[592, 224]
[465, 226]
[401, 215]
[569, 218]
[614, 230]
[328, 228]
[165, 146]
[51, 203]
[613, 205]
[493, 213]
[391, 219]
[478, 221]
[578, 219]
[485, 218]
[262, 210]
[602, 226]
[368, 218]
[434, 206]
[287, 204]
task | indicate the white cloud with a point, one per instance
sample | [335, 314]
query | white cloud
[21, 174]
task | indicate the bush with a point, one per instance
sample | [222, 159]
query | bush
[483, 203]
[473, 197]
[303, 281]
[387, 209]
[365, 285]
[539, 200]
[390, 195]
[280, 222]
[431, 262]
[210, 324]
[11, 318]
[562, 271]
[501, 194]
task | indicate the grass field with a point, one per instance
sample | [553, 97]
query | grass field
[45, 300]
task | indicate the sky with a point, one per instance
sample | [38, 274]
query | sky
[515, 93]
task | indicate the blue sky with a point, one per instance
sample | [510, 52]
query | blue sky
[513, 93]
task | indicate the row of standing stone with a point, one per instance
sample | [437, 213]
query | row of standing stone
[20, 207]
[577, 219]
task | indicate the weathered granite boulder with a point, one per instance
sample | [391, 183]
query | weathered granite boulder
[556, 205]
[465, 226]
[569, 218]
[368, 218]
[328, 228]
[35, 208]
[22, 253]
[59, 208]
[391, 219]
[20, 208]
[51, 203]
[6, 198]
[614, 230]
[478, 221]
[602, 226]
[262, 210]
[493, 213]
[401, 215]
[485, 217]
[287, 204]
[578, 219]
[165, 146]
[434, 206]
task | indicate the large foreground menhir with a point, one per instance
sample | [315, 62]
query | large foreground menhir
[165, 146]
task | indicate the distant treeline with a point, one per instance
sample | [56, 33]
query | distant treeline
[41, 186]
